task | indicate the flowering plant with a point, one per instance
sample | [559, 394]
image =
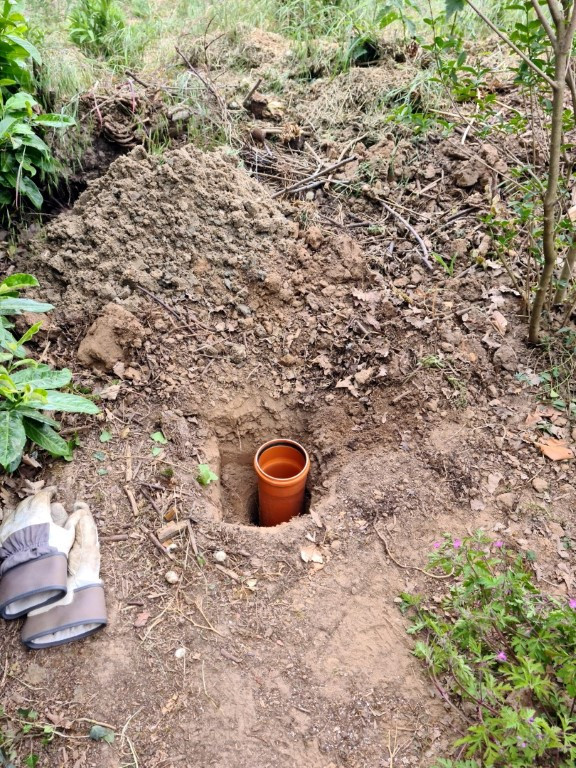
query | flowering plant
[503, 654]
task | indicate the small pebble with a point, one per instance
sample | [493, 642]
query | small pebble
[172, 577]
[179, 653]
[539, 484]
[220, 556]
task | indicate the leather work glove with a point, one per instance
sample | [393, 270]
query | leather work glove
[33, 552]
[83, 610]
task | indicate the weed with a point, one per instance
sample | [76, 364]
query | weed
[22, 727]
[446, 264]
[498, 644]
[204, 475]
[29, 388]
[97, 26]
[25, 156]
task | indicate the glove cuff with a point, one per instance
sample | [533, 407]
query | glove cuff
[84, 616]
[33, 584]
[24, 545]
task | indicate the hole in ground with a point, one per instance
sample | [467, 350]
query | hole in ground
[239, 488]
[240, 434]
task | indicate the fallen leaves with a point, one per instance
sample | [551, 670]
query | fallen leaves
[311, 553]
[555, 450]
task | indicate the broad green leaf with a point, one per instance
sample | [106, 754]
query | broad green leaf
[7, 341]
[54, 121]
[21, 101]
[16, 281]
[105, 436]
[454, 6]
[30, 190]
[44, 436]
[5, 125]
[30, 49]
[39, 416]
[42, 377]
[204, 475]
[32, 331]
[10, 306]
[60, 401]
[12, 437]
[158, 437]
[100, 733]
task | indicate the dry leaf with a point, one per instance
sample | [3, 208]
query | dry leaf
[311, 554]
[347, 384]
[539, 415]
[493, 482]
[372, 297]
[316, 518]
[499, 322]
[324, 363]
[362, 377]
[142, 619]
[556, 450]
[251, 584]
[111, 392]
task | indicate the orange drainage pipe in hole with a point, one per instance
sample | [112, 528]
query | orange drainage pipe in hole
[282, 467]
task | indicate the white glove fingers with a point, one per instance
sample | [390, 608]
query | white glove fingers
[84, 557]
[58, 513]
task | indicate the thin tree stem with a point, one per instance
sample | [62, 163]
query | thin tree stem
[567, 272]
[513, 46]
[551, 194]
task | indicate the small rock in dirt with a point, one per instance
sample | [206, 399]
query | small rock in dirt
[505, 357]
[237, 353]
[111, 338]
[220, 556]
[179, 653]
[289, 361]
[244, 310]
[467, 174]
[507, 500]
[362, 377]
[540, 485]
[314, 238]
[171, 577]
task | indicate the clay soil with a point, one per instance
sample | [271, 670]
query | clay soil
[196, 304]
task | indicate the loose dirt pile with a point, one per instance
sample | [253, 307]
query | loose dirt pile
[160, 223]
[222, 319]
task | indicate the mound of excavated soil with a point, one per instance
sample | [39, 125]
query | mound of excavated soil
[159, 224]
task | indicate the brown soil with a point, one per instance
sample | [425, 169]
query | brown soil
[245, 319]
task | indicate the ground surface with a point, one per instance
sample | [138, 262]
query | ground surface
[224, 318]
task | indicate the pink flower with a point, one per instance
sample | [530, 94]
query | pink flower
[498, 543]
[457, 543]
[501, 656]
[436, 545]
[572, 603]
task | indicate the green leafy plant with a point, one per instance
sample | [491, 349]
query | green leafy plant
[204, 475]
[497, 643]
[25, 158]
[446, 264]
[15, 50]
[24, 155]
[18, 730]
[100, 733]
[29, 389]
[97, 26]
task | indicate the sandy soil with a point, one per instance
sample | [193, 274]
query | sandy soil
[224, 318]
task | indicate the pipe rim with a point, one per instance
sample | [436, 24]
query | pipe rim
[286, 480]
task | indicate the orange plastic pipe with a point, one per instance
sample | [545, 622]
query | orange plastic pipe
[282, 467]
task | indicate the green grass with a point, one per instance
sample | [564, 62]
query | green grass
[153, 27]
